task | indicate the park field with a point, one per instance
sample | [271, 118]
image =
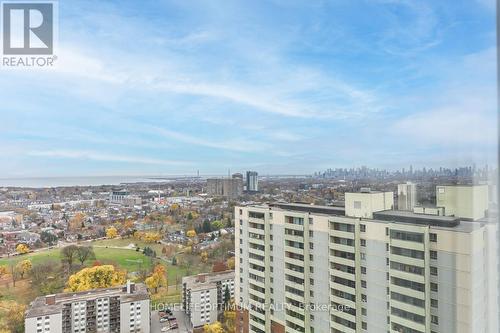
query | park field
[112, 251]
[129, 260]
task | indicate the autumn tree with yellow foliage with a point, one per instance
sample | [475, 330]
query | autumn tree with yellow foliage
[3, 271]
[23, 267]
[213, 328]
[12, 317]
[111, 232]
[148, 237]
[103, 276]
[230, 263]
[22, 248]
[191, 233]
[157, 279]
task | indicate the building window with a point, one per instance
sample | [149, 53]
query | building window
[434, 320]
[434, 303]
[363, 242]
[433, 237]
[434, 271]
[362, 228]
[433, 255]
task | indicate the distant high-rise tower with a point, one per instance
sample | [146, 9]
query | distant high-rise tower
[252, 181]
[407, 196]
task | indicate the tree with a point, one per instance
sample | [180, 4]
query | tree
[13, 272]
[157, 279]
[111, 232]
[148, 237]
[216, 225]
[69, 254]
[230, 316]
[23, 267]
[96, 277]
[231, 263]
[46, 277]
[77, 222]
[204, 256]
[174, 261]
[3, 271]
[191, 234]
[22, 248]
[12, 314]
[149, 252]
[85, 253]
[227, 295]
[48, 238]
[213, 328]
[206, 227]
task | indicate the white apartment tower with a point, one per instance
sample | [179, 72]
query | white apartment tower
[117, 309]
[203, 296]
[252, 181]
[407, 196]
[366, 268]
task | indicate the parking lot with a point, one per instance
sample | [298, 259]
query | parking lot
[181, 319]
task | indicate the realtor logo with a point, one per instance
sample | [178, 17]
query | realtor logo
[28, 33]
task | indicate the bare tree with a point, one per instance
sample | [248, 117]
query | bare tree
[69, 254]
[13, 272]
[84, 253]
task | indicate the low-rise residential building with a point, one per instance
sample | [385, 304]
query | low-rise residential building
[117, 309]
[204, 296]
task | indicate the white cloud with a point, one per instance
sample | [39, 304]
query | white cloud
[454, 125]
[233, 144]
[104, 157]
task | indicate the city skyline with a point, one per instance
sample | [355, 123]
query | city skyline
[209, 87]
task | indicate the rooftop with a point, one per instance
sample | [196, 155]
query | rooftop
[52, 304]
[317, 209]
[410, 217]
[206, 280]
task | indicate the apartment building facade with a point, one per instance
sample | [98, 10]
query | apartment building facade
[303, 268]
[117, 309]
[407, 196]
[203, 296]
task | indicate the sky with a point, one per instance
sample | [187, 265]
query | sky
[278, 86]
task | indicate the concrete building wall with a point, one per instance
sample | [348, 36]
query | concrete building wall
[53, 323]
[203, 306]
[135, 316]
[362, 204]
[464, 201]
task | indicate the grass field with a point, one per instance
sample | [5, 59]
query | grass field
[126, 242]
[105, 252]
[129, 260]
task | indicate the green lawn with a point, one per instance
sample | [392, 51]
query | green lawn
[129, 260]
[119, 242]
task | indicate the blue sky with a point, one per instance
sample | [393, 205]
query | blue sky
[171, 87]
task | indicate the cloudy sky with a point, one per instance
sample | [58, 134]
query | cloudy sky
[278, 86]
